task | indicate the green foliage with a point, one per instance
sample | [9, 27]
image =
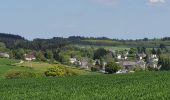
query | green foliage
[94, 69]
[20, 74]
[2, 45]
[158, 52]
[56, 70]
[132, 51]
[60, 70]
[164, 62]
[49, 55]
[64, 59]
[112, 67]
[138, 69]
[40, 56]
[99, 53]
[71, 72]
[149, 68]
[18, 53]
[153, 51]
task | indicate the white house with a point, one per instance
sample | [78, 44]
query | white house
[4, 55]
[141, 56]
[119, 56]
[29, 57]
[153, 56]
[84, 63]
[73, 60]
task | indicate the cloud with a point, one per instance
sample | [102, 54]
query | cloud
[114, 2]
[157, 1]
[106, 2]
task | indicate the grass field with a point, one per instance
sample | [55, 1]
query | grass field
[138, 86]
[6, 65]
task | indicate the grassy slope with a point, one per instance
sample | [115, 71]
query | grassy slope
[9, 65]
[153, 85]
[5, 66]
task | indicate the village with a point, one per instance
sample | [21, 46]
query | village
[141, 61]
[128, 63]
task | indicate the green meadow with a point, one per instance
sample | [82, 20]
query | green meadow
[134, 86]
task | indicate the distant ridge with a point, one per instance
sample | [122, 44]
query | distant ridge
[10, 36]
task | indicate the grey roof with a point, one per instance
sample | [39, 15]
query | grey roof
[129, 63]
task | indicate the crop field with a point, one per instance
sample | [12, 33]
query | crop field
[136, 86]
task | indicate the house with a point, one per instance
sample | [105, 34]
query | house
[127, 53]
[122, 71]
[97, 61]
[141, 56]
[104, 65]
[141, 64]
[122, 57]
[129, 65]
[4, 55]
[153, 64]
[84, 63]
[73, 60]
[119, 57]
[153, 56]
[153, 61]
[29, 57]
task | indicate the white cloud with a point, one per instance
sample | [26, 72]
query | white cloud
[113, 2]
[157, 1]
[107, 2]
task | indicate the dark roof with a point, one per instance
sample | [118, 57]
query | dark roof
[29, 56]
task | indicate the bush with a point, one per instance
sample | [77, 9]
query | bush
[56, 70]
[94, 69]
[138, 69]
[20, 74]
[71, 72]
[112, 67]
[59, 70]
[152, 69]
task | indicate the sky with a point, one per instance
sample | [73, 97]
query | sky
[123, 19]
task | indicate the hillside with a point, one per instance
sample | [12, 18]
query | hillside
[16, 41]
[143, 86]
[10, 40]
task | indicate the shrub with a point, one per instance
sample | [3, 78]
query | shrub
[60, 70]
[94, 69]
[112, 67]
[152, 68]
[71, 72]
[56, 70]
[20, 74]
[138, 69]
